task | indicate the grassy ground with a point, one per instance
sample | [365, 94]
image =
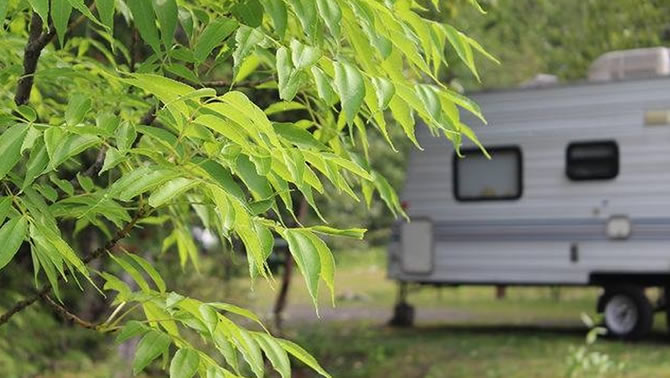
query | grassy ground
[460, 332]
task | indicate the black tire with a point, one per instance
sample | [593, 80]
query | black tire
[628, 314]
[403, 316]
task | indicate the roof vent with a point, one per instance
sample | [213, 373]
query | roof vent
[631, 64]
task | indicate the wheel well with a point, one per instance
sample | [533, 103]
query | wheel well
[625, 278]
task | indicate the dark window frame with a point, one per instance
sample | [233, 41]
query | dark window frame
[492, 151]
[569, 161]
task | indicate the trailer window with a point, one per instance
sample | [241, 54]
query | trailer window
[477, 178]
[598, 160]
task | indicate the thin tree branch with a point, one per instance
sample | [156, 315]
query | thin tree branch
[67, 314]
[37, 41]
[46, 288]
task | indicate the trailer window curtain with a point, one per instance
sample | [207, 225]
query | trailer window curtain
[594, 160]
[477, 178]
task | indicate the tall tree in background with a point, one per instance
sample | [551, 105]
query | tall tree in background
[163, 114]
[557, 37]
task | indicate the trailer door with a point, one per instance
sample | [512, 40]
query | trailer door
[417, 246]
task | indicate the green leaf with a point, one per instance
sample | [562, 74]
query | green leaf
[85, 182]
[27, 112]
[141, 184]
[298, 352]
[32, 136]
[106, 12]
[298, 136]
[331, 14]
[275, 353]
[157, 315]
[475, 4]
[247, 39]
[307, 258]
[12, 234]
[238, 311]
[384, 90]
[225, 347]
[223, 127]
[151, 271]
[171, 190]
[163, 137]
[388, 194]
[212, 36]
[83, 8]
[77, 108]
[283, 106]
[125, 136]
[166, 12]
[249, 12]
[152, 345]
[67, 146]
[64, 185]
[145, 21]
[246, 345]
[356, 233]
[277, 11]
[167, 90]
[258, 184]
[462, 46]
[112, 158]
[5, 4]
[36, 165]
[327, 260]
[184, 363]
[186, 19]
[209, 316]
[126, 263]
[183, 72]
[403, 115]
[223, 178]
[5, 205]
[463, 102]
[51, 263]
[351, 89]
[60, 14]
[323, 87]
[289, 79]
[10, 147]
[430, 101]
[56, 241]
[132, 329]
[41, 7]
[107, 123]
[306, 12]
[303, 56]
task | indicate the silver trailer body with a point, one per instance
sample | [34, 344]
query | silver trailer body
[577, 191]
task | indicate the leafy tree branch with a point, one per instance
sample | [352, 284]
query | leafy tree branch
[244, 107]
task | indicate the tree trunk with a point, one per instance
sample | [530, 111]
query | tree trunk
[282, 295]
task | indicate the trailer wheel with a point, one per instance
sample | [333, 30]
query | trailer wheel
[628, 312]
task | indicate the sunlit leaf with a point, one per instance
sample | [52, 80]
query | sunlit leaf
[12, 234]
[152, 345]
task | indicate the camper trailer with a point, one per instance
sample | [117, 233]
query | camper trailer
[577, 192]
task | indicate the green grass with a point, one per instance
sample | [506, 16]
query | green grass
[460, 332]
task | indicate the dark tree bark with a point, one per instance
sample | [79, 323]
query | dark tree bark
[282, 295]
